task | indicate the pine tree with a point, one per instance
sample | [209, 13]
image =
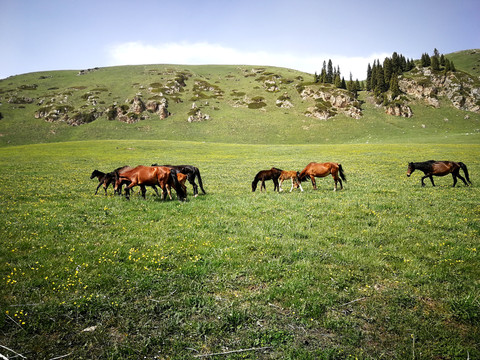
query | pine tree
[337, 81]
[329, 78]
[394, 87]
[435, 63]
[323, 75]
[380, 80]
[425, 60]
[368, 85]
[387, 70]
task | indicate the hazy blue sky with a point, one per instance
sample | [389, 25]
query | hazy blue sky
[39, 35]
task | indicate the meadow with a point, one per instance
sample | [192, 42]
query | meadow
[384, 269]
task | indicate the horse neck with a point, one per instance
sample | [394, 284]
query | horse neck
[423, 165]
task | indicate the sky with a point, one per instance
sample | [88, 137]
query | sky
[41, 35]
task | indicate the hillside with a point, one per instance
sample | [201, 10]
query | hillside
[233, 104]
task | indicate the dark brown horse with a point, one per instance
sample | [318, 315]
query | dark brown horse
[151, 176]
[272, 174]
[106, 179]
[439, 168]
[314, 170]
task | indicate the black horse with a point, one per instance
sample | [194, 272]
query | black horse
[106, 179]
[192, 172]
[439, 168]
[272, 174]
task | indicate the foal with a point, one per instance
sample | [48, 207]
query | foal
[293, 175]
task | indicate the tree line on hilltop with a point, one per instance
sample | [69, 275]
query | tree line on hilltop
[382, 77]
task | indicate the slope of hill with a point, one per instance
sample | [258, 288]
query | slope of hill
[234, 104]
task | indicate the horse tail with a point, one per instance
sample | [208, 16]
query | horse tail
[197, 174]
[181, 195]
[342, 174]
[464, 168]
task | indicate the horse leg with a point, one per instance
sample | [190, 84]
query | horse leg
[292, 185]
[423, 178]
[431, 179]
[191, 180]
[262, 186]
[456, 174]
[313, 182]
[99, 184]
[156, 191]
[275, 185]
[144, 190]
[127, 192]
[300, 185]
[280, 185]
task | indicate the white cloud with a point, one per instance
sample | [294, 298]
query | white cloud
[132, 53]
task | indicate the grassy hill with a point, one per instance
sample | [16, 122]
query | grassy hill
[384, 269]
[240, 101]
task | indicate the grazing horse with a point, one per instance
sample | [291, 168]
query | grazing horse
[192, 172]
[272, 174]
[151, 176]
[108, 178]
[293, 175]
[439, 168]
[314, 170]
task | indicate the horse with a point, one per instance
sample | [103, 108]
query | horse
[272, 174]
[100, 177]
[192, 172]
[293, 175]
[439, 168]
[106, 179]
[181, 179]
[314, 170]
[151, 176]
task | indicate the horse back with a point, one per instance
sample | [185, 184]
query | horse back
[319, 169]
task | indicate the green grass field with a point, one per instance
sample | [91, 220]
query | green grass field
[384, 269]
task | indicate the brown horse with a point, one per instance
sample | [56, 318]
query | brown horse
[151, 176]
[321, 170]
[272, 174]
[293, 175]
[439, 168]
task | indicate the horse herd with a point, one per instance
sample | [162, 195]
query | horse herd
[168, 176]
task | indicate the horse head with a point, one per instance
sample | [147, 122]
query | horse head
[410, 169]
[94, 174]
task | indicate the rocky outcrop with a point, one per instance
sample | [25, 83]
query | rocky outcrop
[398, 109]
[196, 115]
[329, 103]
[158, 107]
[284, 101]
[461, 90]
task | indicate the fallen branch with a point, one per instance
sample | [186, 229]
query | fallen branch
[232, 352]
[351, 302]
[17, 354]
[16, 323]
[61, 356]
